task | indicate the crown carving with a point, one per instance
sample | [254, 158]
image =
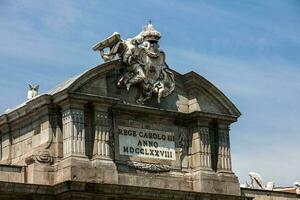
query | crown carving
[150, 34]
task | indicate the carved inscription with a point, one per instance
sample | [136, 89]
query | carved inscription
[146, 143]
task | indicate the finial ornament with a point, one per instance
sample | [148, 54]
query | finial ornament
[144, 61]
[150, 34]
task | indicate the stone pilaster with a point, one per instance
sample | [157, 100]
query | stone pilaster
[57, 133]
[102, 135]
[5, 147]
[214, 146]
[224, 154]
[6, 143]
[201, 147]
[73, 132]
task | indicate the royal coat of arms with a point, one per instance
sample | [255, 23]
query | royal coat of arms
[145, 63]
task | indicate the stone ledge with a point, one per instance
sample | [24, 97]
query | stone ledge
[262, 192]
[69, 189]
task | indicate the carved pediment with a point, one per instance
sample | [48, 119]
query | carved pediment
[135, 72]
[192, 92]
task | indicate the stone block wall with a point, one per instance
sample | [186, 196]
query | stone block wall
[72, 135]
[10, 173]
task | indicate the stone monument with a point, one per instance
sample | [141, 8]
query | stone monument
[130, 128]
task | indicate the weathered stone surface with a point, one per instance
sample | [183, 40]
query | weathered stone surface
[12, 173]
[79, 190]
[258, 194]
[72, 134]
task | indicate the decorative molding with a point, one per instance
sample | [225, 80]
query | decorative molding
[149, 167]
[73, 132]
[224, 150]
[73, 115]
[203, 130]
[103, 134]
[42, 157]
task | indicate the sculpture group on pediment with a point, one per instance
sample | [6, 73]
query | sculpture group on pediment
[145, 63]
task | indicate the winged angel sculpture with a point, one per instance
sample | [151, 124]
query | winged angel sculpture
[145, 63]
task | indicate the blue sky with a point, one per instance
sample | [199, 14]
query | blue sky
[248, 49]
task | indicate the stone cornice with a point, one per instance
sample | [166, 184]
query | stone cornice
[26, 109]
[117, 106]
[96, 190]
[194, 81]
[130, 108]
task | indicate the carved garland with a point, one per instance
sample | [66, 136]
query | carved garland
[149, 167]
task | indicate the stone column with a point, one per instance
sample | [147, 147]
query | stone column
[102, 135]
[224, 154]
[73, 132]
[201, 149]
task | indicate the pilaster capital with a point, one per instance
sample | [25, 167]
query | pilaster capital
[69, 104]
[74, 115]
[202, 122]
